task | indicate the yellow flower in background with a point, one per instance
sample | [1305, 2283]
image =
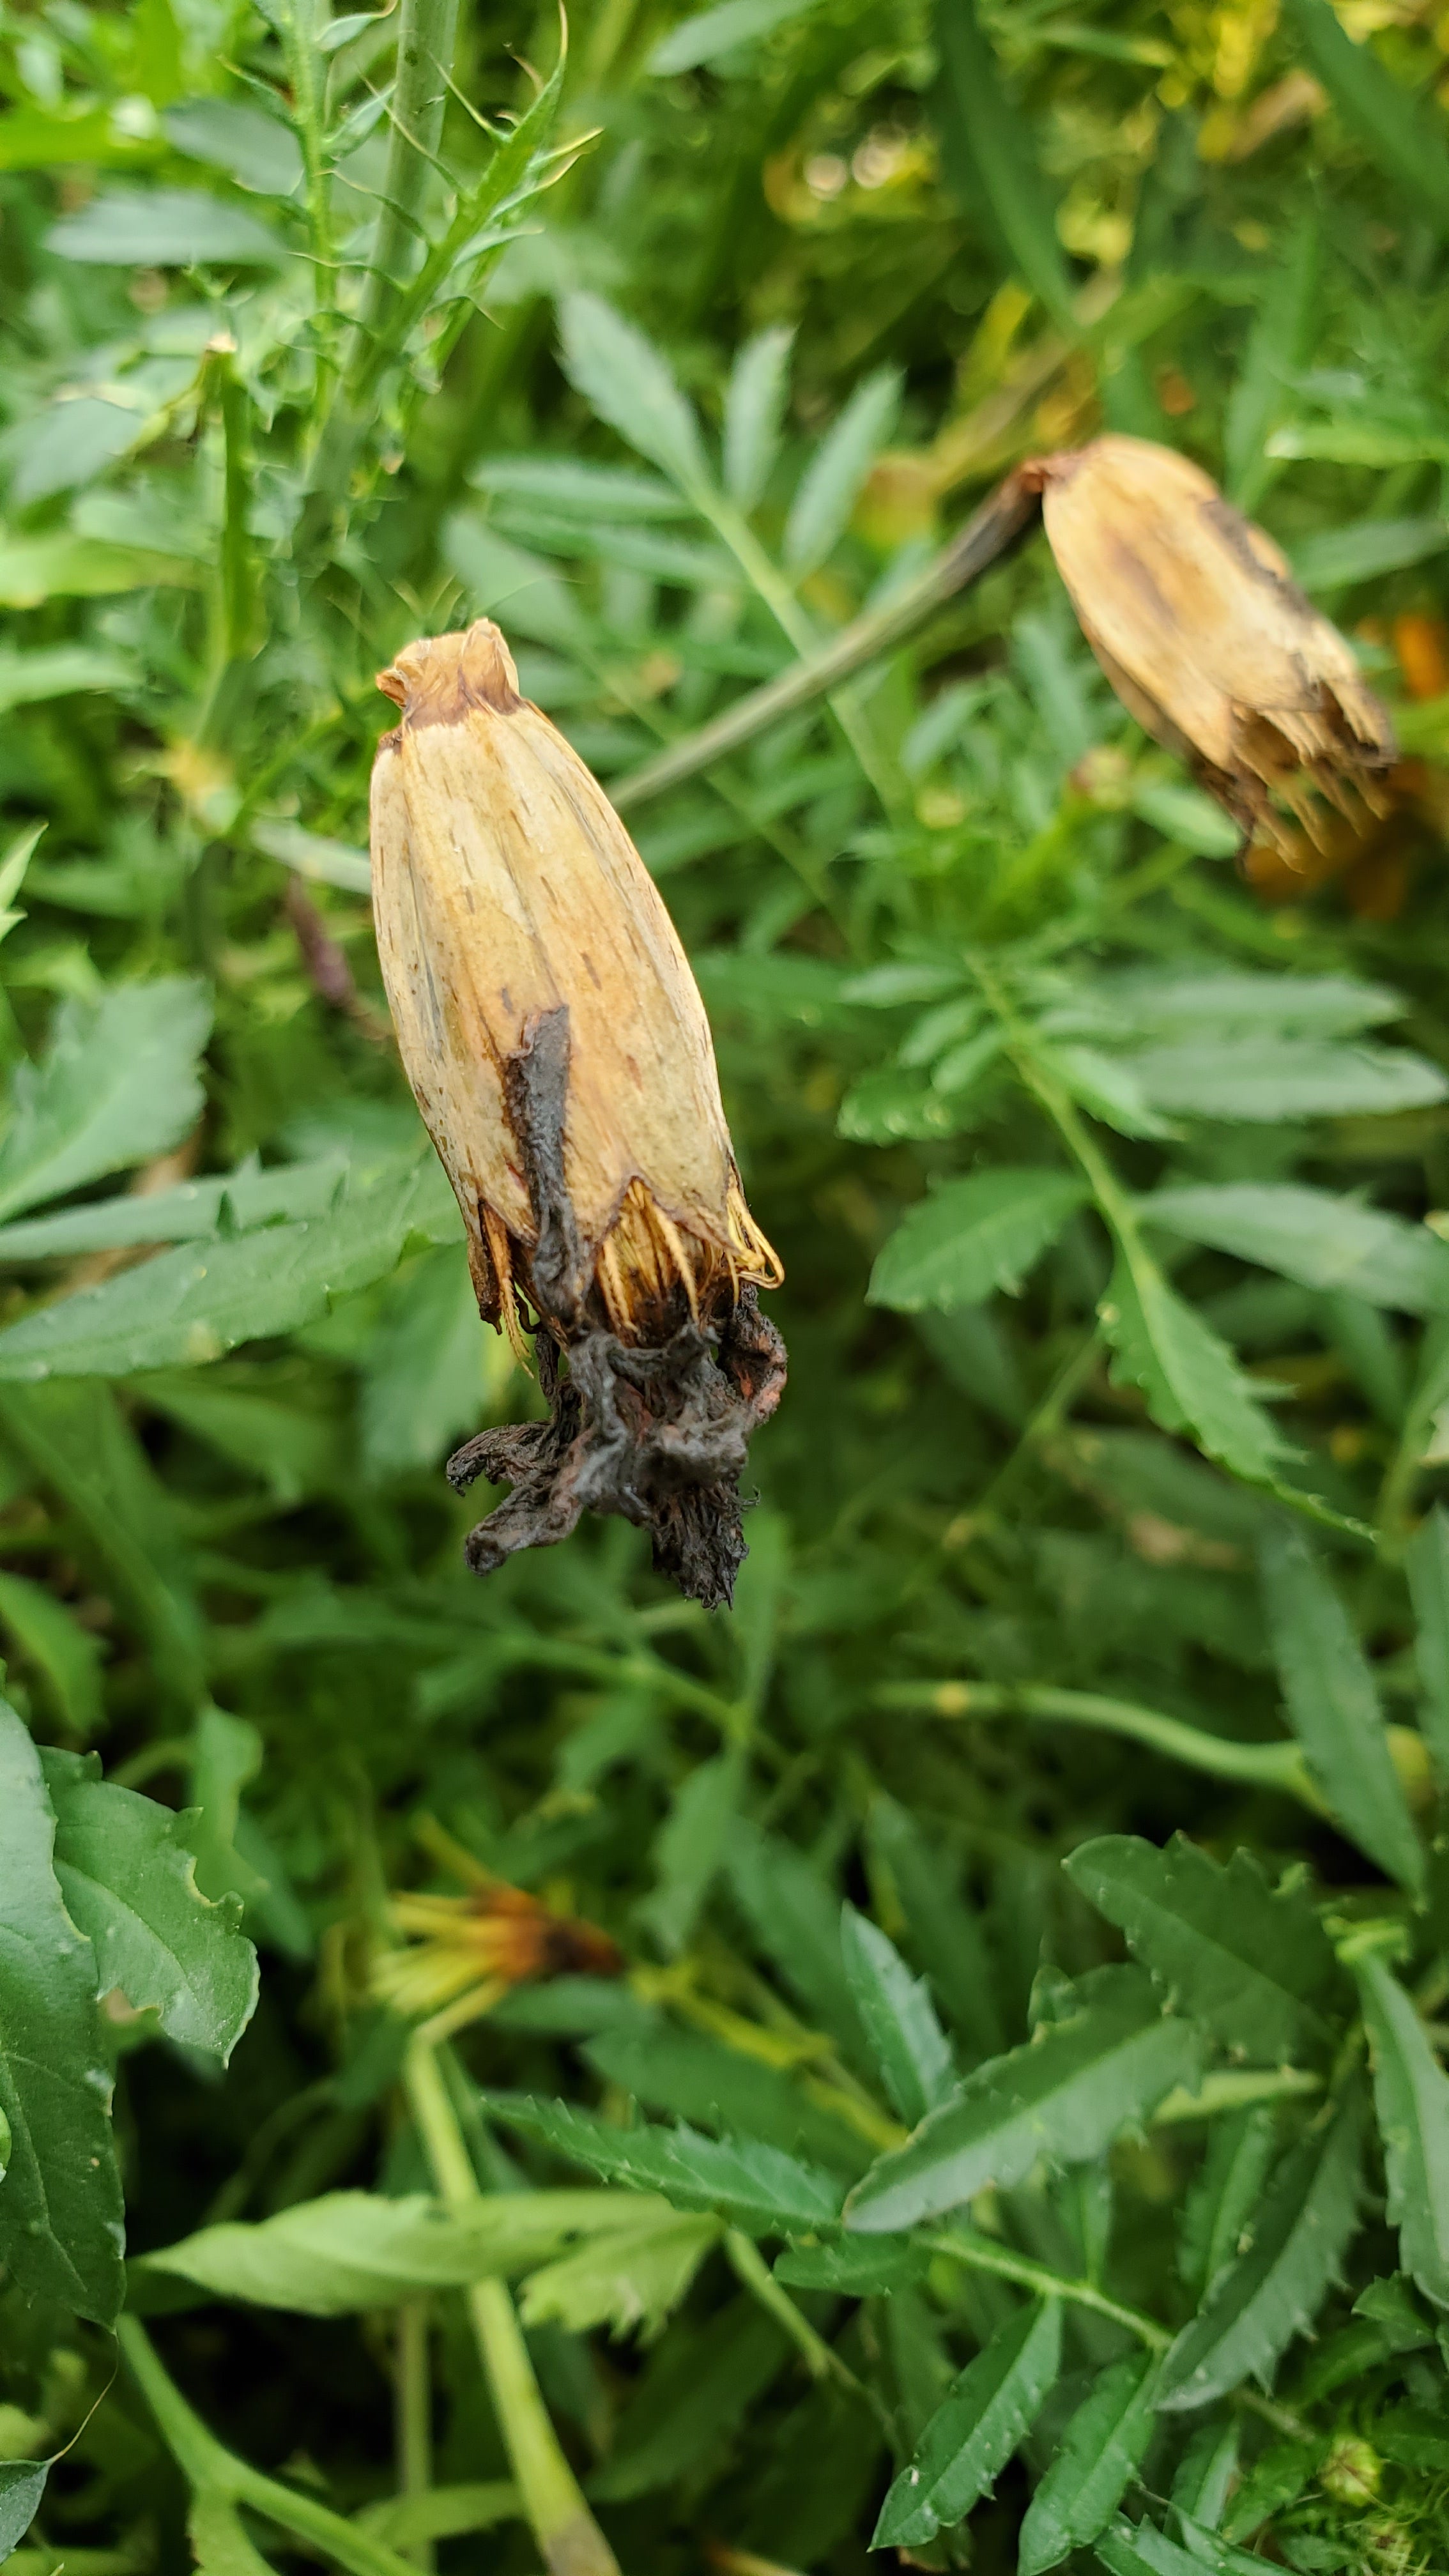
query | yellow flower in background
[465, 1953]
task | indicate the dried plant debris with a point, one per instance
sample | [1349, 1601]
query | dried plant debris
[1196, 620]
[559, 1051]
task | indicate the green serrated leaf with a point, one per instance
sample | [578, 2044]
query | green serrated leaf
[699, 2079]
[1262, 1080]
[1426, 1562]
[129, 1882]
[754, 407]
[974, 2432]
[1274, 2289]
[1064, 2096]
[629, 2280]
[190, 1306]
[60, 2203]
[117, 1084]
[973, 1236]
[899, 2019]
[22, 2485]
[1216, 2214]
[1411, 2097]
[1098, 2455]
[945, 1934]
[1188, 1375]
[629, 385]
[1310, 1235]
[1254, 1967]
[354, 2250]
[1333, 1706]
[759, 2188]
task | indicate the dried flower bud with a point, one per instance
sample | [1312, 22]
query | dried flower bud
[1194, 617]
[559, 1051]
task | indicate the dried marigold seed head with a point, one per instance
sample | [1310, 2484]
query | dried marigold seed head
[560, 1055]
[1195, 618]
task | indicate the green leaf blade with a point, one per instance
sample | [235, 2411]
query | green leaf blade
[1333, 1706]
[60, 2202]
[1064, 2096]
[972, 2435]
[1097, 2458]
[971, 1237]
[1252, 1966]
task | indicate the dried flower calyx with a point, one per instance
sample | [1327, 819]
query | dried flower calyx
[560, 1055]
[1195, 618]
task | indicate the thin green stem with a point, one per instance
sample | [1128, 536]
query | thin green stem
[981, 2254]
[771, 586]
[1259, 1766]
[1047, 1419]
[208, 2465]
[819, 2358]
[425, 38]
[996, 527]
[299, 33]
[569, 2539]
[413, 2398]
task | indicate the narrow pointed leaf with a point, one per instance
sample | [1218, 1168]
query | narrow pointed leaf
[759, 2188]
[1064, 2096]
[1411, 2097]
[117, 1084]
[975, 2430]
[353, 2250]
[1315, 1237]
[628, 383]
[899, 2019]
[1333, 1705]
[1426, 1562]
[1096, 2459]
[971, 1237]
[754, 404]
[1275, 2288]
[1252, 1966]
[1189, 1376]
[60, 2201]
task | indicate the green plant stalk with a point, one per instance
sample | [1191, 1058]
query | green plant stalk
[238, 569]
[772, 587]
[426, 34]
[413, 2397]
[299, 31]
[1259, 1766]
[822, 2362]
[207, 2464]
[427, 31]
[981, 2254]
[996, 527]
[569, 2539]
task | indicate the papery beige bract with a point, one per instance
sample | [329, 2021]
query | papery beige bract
[1196, 620]
[560, 1055]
